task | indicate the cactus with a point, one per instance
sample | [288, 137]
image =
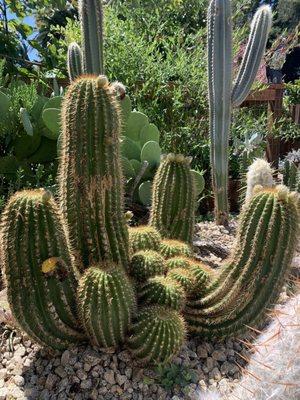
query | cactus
[184, 277]
[106, 303]
[143, 237]
[38, 268]
[91, 21]
[173, 199]
[90, 179]
[259, 173]
[157, 334]
[145, 264]
[251, 282]
[163, 291]
[145, 193]
[177, 262]
[74, 61]
[222, 97]
[291, 175]
[171, 248]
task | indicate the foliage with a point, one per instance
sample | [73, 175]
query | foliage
[293, 92]
[171, 375]
[28, 146]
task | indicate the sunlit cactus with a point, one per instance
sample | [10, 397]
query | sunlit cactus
[145, 264]
[223, 95]
[144, 238]
[252, 280]
[157, 334]
[171, 248]
[38, 267]
[106, 303]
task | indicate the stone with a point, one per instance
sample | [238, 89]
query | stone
[65, 358]
[60, 371]
[86, 384]
[3, 373]
[3, 393]
[121, 379]
[109, 376]
[219, 355]
[215, 374]
[81, 375]
[210, 363]
[202, 352]
[50, 381]
[18, 380]
[91, 357]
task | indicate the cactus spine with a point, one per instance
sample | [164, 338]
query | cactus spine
[222, 97]
[173, 199]
[106, 302]
[253, 279]
[90, 178]
[74, 61]
[145, 264]
[172, 248]
[91, 21]
[38, 268]
[291, 176]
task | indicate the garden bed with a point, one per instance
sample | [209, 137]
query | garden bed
[84, 372]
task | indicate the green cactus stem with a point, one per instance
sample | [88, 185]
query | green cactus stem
[38, 268]
[91, 21]
[184, 277]
[145, 264]
[177, 262]
[163, 291]
[222, 97]
[171, 248]
[144, 237]
[291, 176]
[90, 178]
[157, 334]
[74, 61]
[106, 303]
[173, 199]
[250, 284]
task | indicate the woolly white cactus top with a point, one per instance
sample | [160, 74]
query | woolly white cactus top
[259, 173]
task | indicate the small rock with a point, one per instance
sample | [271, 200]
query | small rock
[3, 393]
[86, 384]
[219, 356]
[50, 381]
[109, 376]
[18, 380]
[81, 375]
[3, 373]
[215, 374]
[60, 371]
[65, 358]
[210, 363]
[121, 379]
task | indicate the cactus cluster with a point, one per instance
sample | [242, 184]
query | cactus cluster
[222, 94]
[71, 272]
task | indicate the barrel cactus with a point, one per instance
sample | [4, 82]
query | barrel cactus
[39, 269]
[145, 264]
[144, 237]
[253, 279]
[171, 248]
[157, 334]
[106, 303]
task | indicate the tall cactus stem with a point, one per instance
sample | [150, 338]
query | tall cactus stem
[74, 61]
[91, 20]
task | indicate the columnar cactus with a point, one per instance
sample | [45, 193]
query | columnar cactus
[91, 21]
[106, 303]
[222, 96]
[74, 61]
[291, 175]
[143, 237]
[253, 279]
[157, 334]
[38, 268]
[90, 177]
[173, 199]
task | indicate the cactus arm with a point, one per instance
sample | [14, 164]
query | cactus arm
[91, 20]
[252, 281]
[220, 87]
[90, 177]
[256, 45]
[74, 61]
[38, 268]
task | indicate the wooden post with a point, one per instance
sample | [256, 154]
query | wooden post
[275, 108]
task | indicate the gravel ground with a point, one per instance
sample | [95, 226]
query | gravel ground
[28, 372]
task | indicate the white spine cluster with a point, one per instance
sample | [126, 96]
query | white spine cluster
[259, 173]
